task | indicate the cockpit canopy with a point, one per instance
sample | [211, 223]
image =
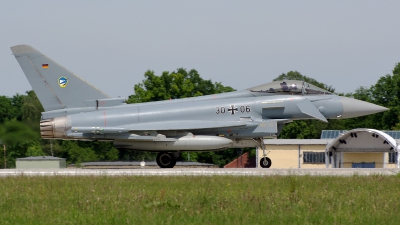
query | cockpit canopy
[293, 87]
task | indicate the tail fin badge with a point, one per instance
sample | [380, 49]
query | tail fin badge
[62, 81]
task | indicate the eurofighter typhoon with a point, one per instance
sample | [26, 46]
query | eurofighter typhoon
[75, 110]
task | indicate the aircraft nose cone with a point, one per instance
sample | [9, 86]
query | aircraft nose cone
[355, 108]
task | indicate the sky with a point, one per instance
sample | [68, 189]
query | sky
[111, 44]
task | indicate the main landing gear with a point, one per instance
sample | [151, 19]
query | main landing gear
[265, 162]
[166, 159]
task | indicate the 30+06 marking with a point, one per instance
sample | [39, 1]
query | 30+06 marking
[232, 109]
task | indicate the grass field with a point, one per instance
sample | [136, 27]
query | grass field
[200, 200]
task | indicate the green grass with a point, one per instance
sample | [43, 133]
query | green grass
[200, 200]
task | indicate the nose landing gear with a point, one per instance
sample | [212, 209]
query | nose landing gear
[265, 162]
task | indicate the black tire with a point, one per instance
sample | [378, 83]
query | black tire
[265, 163]
[166, 160]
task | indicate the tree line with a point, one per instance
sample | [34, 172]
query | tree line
[21, 113]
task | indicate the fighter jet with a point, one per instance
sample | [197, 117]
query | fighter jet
[76, 110]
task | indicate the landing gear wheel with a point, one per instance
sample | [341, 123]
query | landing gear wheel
[265, 162]
[166, 160]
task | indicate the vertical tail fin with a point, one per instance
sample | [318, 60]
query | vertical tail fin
[55, 86]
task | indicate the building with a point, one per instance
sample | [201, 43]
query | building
[358, 148]
[40, 162]
[295, 153]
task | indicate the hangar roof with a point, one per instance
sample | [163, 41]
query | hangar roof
[363, 140]
[332, 134]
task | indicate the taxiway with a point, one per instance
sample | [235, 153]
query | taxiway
[197, 172]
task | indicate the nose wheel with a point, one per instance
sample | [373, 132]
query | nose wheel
[265, 162]
[166, 160]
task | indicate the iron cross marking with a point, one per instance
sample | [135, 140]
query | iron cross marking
[232, 109]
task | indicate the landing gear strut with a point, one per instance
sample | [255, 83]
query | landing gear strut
[265, 162]
[166, 160]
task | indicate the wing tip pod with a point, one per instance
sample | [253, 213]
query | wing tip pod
[21, 49]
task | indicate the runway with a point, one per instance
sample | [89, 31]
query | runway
[197, 172]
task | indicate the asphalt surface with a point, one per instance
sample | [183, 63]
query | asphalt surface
[196, 172]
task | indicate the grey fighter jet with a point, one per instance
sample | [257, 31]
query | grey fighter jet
[75, 110]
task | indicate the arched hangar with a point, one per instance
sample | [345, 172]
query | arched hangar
[361, 148]
[358, 148]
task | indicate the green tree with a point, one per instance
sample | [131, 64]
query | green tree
[35, 149]
[174, 85]
[15, 136]
[77, 154]
[53, 147]
[10, 108]
[104, 150]
[386, 92]
[13, 132]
